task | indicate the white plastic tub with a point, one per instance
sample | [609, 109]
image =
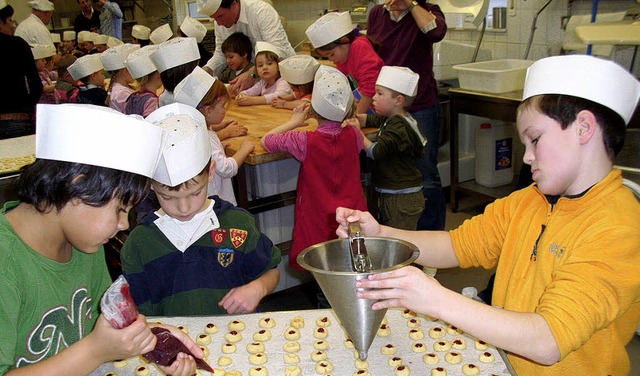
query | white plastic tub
[493, 76]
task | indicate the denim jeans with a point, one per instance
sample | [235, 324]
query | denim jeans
[433, 217]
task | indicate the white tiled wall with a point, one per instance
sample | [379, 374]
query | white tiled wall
[512, 43]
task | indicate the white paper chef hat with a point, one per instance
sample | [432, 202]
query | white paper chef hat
[112, 42]
[93, 36]
[598, 80]
[187, 149]
[42, 5]
[101, 39]
[175, 108]
[85, 36]
[400, 79]
[42, 51]
[332, 97]
[97, 135]
[69, 35]
[85, 65]
[139, 62]
[329, 28]
[3, 4]
[208, 7]
[140, 32]
[55, 38]
[194, 87]
[262, 46]
[114, 57]
[161, 34]
[193, 28]
[298, 69]
[175, 52]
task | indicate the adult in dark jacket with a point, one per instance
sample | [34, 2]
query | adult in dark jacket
[88, 19]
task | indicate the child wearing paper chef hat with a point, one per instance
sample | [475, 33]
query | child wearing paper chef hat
[140, 35]
[89, 70]
[271, 85]
[119, 86]
[210, 254]
[175, 59]
[398, 145]
[565, 248]
[330, 172]
[193, 28]
[92, 165]
[206, 93]
[333, 36]
[299, 72]
[145, 100]
[43, 56]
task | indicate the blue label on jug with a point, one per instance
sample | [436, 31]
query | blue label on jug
[503, 153]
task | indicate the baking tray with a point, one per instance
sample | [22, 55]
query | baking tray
[341, 357]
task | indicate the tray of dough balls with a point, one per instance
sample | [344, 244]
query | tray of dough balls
[312, 342]
[16, 152]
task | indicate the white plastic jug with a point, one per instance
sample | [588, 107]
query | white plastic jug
[494, 154]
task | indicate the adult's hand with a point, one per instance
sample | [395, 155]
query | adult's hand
[242, 82]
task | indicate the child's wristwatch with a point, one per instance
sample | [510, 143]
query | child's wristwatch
[253, 75]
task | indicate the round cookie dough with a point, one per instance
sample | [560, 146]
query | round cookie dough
[320, 333]
[183, 328]
[258, 371]
[407, 313]
[324, 367]
[233, 372]
[384, 330]
[323, 321]
[211, 328]
[416, 334]
[259, 358]
[119, 363]
[224, 361]
[318, 356]
[267, 323]
[470, 369]
[481, 345]
[413, 323]
[453, 357]
[142, 370]
[297, 322]
[486, 357]
[362, 372]
[388, 349]
[430, 358]
[205, 350]
[110, 374]
[362, 364]
[293, 371]
[452, 330]
[236, 325]
[395, 361]
[443, 345]
[320, 344]
[403, 370]
[203, 339]
[255, 347]
[419, 347]
[348, 343]
[233, 336]
[459, 344]
[262, 335]
[437, 332]
[291, 358]
[438, 371]
[292, 334]
[228, 348]
[291, 347]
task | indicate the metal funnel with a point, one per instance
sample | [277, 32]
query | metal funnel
[331, 265]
